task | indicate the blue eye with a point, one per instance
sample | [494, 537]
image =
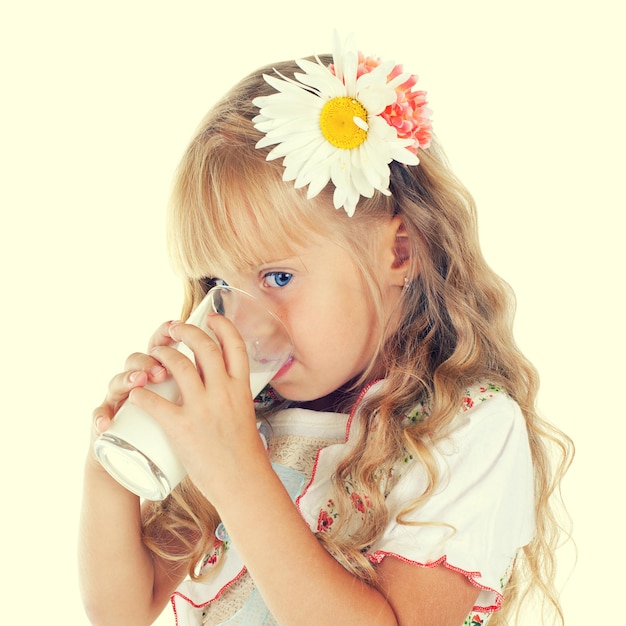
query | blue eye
[277, 279]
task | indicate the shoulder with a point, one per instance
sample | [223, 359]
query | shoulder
[486, 442]
[488, 429]
[481, 511]
[487, 412]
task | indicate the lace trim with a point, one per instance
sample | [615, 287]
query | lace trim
[297, 452]
[229, 608]
[229, 602]
[301, 453]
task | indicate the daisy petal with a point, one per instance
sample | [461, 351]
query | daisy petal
[301, 129]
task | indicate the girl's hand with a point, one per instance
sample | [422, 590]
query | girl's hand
[212, 428]
[139, 369]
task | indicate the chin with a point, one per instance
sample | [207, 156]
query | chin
[334, 401]
[293, 393]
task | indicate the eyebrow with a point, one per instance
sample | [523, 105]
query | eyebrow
[286, 260]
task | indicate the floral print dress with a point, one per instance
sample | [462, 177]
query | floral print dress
[486, 495]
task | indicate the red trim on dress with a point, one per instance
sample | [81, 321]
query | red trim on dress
[319, 452]
[297, 503]
[203, 604]
[375, 557]
[378, 556]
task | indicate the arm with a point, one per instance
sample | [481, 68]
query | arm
[418, 595]
[299, 580]
[121, 581]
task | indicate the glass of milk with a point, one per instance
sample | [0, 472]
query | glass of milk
[135, 450]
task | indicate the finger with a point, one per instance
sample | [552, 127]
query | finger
[140, 369]
[158, 407]
[161, 336]
[101, 418]
[144, 362]
[205, 350]
[231, 347]
[235, 353]
[121, 385]
[182, 369]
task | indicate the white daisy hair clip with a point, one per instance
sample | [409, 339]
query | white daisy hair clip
[344, 123]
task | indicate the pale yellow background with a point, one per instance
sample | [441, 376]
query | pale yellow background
[98, 101]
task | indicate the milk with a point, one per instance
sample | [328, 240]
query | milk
[136, 451]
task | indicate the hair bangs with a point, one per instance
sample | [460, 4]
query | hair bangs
[233, 211]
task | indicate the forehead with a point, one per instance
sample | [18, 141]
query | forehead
[306, 257]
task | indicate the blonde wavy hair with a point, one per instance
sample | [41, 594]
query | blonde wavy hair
[230, 208]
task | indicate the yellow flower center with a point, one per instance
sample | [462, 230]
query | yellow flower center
[338, 125]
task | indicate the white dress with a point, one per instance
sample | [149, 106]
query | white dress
[482, 511]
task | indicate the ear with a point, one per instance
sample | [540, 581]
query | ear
[397, 251]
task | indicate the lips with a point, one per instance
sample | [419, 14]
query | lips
[283, 370]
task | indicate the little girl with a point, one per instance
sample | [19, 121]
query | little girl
[403, 475]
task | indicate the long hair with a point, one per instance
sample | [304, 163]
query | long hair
[230, 208]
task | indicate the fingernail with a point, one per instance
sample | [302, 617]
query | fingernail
[97, 422]
[133, 376]
[157, 370]
[172, 330]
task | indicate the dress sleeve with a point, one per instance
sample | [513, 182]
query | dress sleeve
[482, 512]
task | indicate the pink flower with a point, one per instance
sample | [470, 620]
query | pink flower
[210, 559]
[408, 115]
[357, 502]
[324, 521]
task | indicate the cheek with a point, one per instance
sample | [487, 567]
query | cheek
[343, 330]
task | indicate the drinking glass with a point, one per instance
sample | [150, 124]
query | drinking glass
[135, 450]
